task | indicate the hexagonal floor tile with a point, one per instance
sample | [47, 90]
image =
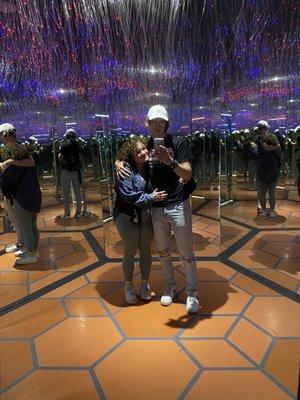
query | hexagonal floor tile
[31, 319]
[146, 377]
[16, 360]
[215, 353]
[254, 259]
[77, 342]
[152, 320]
[283, 363]
[276, 315]
[289, 250]
[213, 326]
[229, 385]
[111, 272]
[11, 293]
[251, 286]
[85, 308]
[250, 340]
[54, 385]
[279, 277]
[55, 251]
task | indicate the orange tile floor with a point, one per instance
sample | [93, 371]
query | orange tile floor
[79, 340]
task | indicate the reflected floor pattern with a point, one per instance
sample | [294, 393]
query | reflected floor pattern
[84, 342]
[79, 339]
[269, 248]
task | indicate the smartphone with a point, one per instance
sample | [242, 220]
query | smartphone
[158, 142]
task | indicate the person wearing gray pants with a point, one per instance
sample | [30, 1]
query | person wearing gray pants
[69, 156]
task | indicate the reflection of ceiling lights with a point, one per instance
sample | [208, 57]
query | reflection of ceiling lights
[278, 78]
[253, 104]
[65, 91]
[7, 7]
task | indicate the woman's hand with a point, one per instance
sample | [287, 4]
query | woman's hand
[6, 164]
[121, 170]
[159, 196]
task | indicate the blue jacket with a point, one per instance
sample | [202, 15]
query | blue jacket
[23, 184]
[132, 197]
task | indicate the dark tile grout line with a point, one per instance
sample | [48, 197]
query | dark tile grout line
[239, 243]
[203, 204]
[208, 217]
[190, 385]
[97, 384]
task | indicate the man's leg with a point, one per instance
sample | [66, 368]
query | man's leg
[163, 237]
[180, 217]
[66, 186]
[77, 190]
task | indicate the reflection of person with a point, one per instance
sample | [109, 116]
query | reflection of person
[133, 217]
[168, 164]
[69, 156]
[296, 158]
[268, 168]
[20, 185]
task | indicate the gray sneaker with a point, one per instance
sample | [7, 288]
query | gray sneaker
[130, 295]
[145, 291]
[169, 294]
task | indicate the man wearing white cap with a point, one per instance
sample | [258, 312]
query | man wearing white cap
[170, 160]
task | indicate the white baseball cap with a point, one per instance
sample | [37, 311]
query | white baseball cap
[33, 139]
[263, 124]
[7, 128]
[158, 111]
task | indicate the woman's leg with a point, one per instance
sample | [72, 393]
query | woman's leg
[145, 240]
[129, 233]
[35, 231]
[261, 194]
[272, 195]
[25, 219]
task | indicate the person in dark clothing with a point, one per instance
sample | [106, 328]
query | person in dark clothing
[268, 170]
[70, 159]
[20, 185]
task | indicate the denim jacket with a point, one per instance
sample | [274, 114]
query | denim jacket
[132, 197]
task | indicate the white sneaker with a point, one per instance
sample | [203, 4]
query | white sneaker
[273, 214]
[21, 253]
[27, 260]
[130, 295]
[192, 304]
[169, 294]
[145, 291]
[13, 248]
[264, 213]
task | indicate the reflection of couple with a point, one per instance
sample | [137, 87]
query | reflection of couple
[142, 183]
